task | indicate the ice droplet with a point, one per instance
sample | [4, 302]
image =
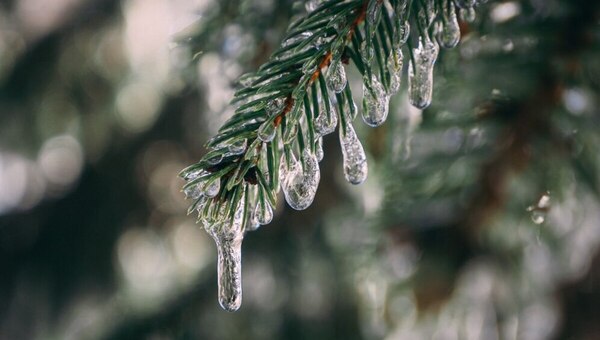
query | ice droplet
[237, 147]
[228, 235]
[212, 188]
[366, 52]
[266, 132]
[538, 216]
[467, 14]
[319, 149]
[540, 209]
[420, 74]
[449, 35]
[375, 103]
[300, 184]
[395, 64]
[193, 192]
[336, 77]
[215, 159]
[355, 160]
[264, 213]
[275, 106]
[325, 125]
[311, 5]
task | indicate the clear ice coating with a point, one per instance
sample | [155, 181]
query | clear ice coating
[263, 213]
[355, 160]
[266, 132]
[299, 183]
[420, 74]
[395, 63]
[401, 34]
[275, 106]
[375, 103]
[449, 35]
[212, 188]
[215, 159]
[237, 147]
[319, 149]
[228, 235]
[325, 125]
[373, 12]
[336, 77]
[467, 14]
[193, 192]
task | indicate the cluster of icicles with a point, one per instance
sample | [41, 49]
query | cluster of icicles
[299, 178]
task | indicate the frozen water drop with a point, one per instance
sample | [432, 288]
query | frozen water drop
[319, 149]
[275, 106]
[538, 216]
[266, 132]
[212, 188]
[193, 192]
[215, 159]
[264, 213]
[324, 124]
[253, 222]
[311, 5]
[366, 52]
[237, 147]
[420, 74]
[336, 76]
[395, 63]
[467, 14]
[375, 103]
[355, 160]
[449, 35]
[228, 236]
[299, 183]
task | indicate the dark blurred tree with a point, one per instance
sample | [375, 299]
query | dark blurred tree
[479, 218]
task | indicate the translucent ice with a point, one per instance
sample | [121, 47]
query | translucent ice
[355, 160]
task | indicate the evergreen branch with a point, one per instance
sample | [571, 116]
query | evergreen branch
[284, 108]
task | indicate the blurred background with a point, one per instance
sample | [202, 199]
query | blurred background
[479, 219]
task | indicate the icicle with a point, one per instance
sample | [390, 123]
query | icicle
[266, 132]
[237, 147]
[336, 77]
[300, 185]
[228, 235]
[449, 35]
[420, 74]
[319, 149]
[375, 103]
[395, 63]
[212, 189]
[355, 160]
[325, 125]
[467, 14]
